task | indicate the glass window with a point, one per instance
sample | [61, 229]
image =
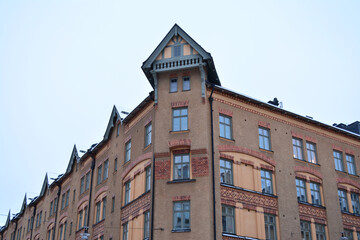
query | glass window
[355, 203]
[349, 234]
[81, 187]
[181, 166]
[113, 204]
[128, 151]
[338, 161]
[226, 172]
[80, 219]
[266, 181]
[115, 164]
[358, 235]
[99, 174]
[228, 219]
[173, 85]
[118, 130]
[63, 201]
[104, 208]
[180, 119]
[177, 50]
[264, 138]
[270, 226]
[305, 230]
[301, 190]
[106, 169]
[97, 212]
[127, 192]
[148, 179]
[181, 215]
[297, 148]
[311, 152]
[315, 193]
[186, 84]
[350, 164]
[148, 134]
[320, 232]
[67, 198]
[125, 231]
[343, 200]
[87, 182]
[225, 126]
[146, 224]
[85, 216]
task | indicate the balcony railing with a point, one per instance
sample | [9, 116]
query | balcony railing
[177, 63]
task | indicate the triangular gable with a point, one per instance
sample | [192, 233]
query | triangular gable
[7, 221]
[73, 158]
[23, 206]
[114, 117]
[177, 31]
[44, 186]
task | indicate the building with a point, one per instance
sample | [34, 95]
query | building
[195, 160]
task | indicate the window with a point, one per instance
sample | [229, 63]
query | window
[186, 84]
[87, 182]
[349, 234]
[266, 181]
[51, 208]
[338, 161]
[103, 208]
[226, 172]
[115, 164]
[99, 173]
[128, 151]
[80, 219]
[297, 148]
[118, 130]
[125, 231]
[62, 231]
[148, 134]
[100, 210]
[180, 119]
[106, 170]
[228, 219]
[113, 204]
[305, 230]
[181, 215]
[301, 190]
[320, 231]
[358, 235]
[127, 192]
[181, 166]
[173, 85]
[70, 228]
[264, 138]
[311, 152]
[98, 205]
[146, 224]
[81, 187]
[350, 164]
[177, 51]
[270, 226]
[315, 193]
[225, 126]
[355, 203]
[67, 198]
[55, 205]
[343, 200]
[148, 179]
[63, 201]
[85, 216]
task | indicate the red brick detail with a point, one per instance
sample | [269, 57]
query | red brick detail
[181, 198]
[162, 169]
[342, 187]
[350, 221]
[147, 164]
[244, 161]
[78, 234]
[162, 155]
[226, 156]
[308, 212]
[263, 166]
[100, 191]
[230, 148]
[312, 179]
[298, 175]
[186, 74]
[136, 162]
[137, 172]
[337, 148]
[264, 124]
[297, 135]
[98, 229]
[84, 199]
[200, 166]
[348, 181]
[270, 211]
[305, 218]
[249, 206]
[135, 208]
[199, 151]
[351, 152]
[355, 191]
[228, 202]
[179, 143]
[320, 221]
[225, 112]
[173, 75]
[308, 170]
[128, 178]
[147, 121]
[310, 139]
[181, 151]
[250, 198]
[180, 104]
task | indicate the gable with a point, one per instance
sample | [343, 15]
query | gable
[176, 47]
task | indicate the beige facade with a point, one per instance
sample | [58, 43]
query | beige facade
[276, 175]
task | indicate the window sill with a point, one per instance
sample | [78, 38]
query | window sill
[180, 131]
[102, 220]
[265, 150]
[227, 139]
[147, 147]
[247, 190]
[312, 204]
[181, 230]
[308, 163]
[181, 181]
[354, 175]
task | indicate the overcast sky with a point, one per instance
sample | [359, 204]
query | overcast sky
[64, 64]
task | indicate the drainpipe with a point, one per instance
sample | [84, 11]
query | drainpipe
[57, 208]
[153, 179]
[90, 194]
[32, 222]
[212, 158]
[16, 225]
[155, 86]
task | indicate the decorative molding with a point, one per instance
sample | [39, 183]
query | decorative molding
[225, 112]
[297, 135]
[162, 169]
[337, 148]
[179, 104]
[181, 198]
[348, 181]
[308, 211]
[135, 208]
[264, 124]
[136, 162]
[308, 170]
[350, 221]
[310, 139]
[82, 201]
[226, 156]
[100, 191]
[179, 143]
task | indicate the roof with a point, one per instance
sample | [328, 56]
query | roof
[174, 31]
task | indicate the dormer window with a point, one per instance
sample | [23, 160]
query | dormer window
[177, 51]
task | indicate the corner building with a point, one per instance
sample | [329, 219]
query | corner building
[195, 160]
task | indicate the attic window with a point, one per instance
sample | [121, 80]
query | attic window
[177, 51]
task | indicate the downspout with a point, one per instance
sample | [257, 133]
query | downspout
[90, 194]
[153, 177]
[16, 225]
[32, 222]
[212, 158]
[155, 86]
[57, 208]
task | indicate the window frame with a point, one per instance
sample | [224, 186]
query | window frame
[315, 191]
[304, 231]
[148, 133]
[349, 234]
[263, 137]
[301, 189]
[342, 194]
[183, 211]
[311, 152]
[355, 203]
[225, 216]
[351, 166]
[266, 179]
[87, 181]
[183, 165]
[106, 170]
[183, 119]
[225, 168]
[128, 151]
[338, 160]
[173, 85]
[186, 78]
[148, 178]
[268, 225]
[99, 174]
[127, 195]
[225, 126]
[125, 231]
[147, 224]
[298, 149]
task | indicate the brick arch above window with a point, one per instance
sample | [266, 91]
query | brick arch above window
[101, 193]
[37, 236]
[63, 218]
[135, 162]
[83, 202]
[50, 225]
[250, 152]
[309, 170]
[178, 143]
[348, 181]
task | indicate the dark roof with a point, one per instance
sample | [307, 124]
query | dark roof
[136, 110]
[114, 117]
[73, 158]
[174, 31]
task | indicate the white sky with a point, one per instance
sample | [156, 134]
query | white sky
[64, 64]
